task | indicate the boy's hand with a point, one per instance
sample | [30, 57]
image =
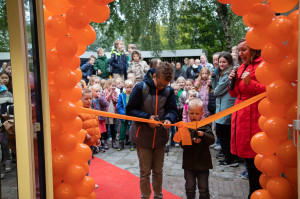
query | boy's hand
[197, 140]
[200, 133]
[99, 72]
[98, 143]
[152, 125]
[167, 122]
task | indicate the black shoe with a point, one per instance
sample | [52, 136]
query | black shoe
[105, 145]
[220, 155]
[132, 147]
[113, 144]
[121, 145]
[222, 160]
[231, 163]
[127, 140]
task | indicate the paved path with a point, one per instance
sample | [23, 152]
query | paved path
[223, 181]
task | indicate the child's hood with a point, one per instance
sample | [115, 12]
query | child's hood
[138, 52]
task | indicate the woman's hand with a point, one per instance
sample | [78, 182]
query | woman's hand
[246, 77]
[231, 75]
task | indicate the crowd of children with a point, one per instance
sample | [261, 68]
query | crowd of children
[200, 89]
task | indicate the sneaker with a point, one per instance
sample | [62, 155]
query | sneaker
[242, 173]
[101, 149]
[2, 175]
[245, 176]
[132, 147]
[213, 145]
[177, 145]
[231, 163]
[220, 155]
[218, 147]
[96, 186]
[8, 166]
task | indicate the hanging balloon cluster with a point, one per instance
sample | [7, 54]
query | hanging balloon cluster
[277, 38]
[67, 35]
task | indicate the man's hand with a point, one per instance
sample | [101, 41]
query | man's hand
[152, 125]
[167, 122]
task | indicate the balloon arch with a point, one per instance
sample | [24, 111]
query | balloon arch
[68, 33]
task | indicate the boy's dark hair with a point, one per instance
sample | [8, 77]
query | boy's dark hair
[85, 91]
[153, 62]
[92, 56]
[166, 71]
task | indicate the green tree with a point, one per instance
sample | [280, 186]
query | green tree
[4, 42]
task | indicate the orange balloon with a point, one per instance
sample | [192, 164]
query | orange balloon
[257, 161]
[287, 153]
[81, 197]
[292, 44]
[77, 18]
[256, 38]
[260, 15]
[246, 21]
[266, 73]
[97, 13]
[261, 194]
[272, 166]
[262, 119]
[294, 17]
[74, 174]
[67, 142]
[54, 7]
[81, 136]
[86, 186]
[64, 191]
[81, 50]
[72, 95]
[105, 2]
[47, 14]
[263, 180]
[224, 1]
[282, 6]
[56, 127]
[78, 3]
[54, 95]
[71, 62]
[65, 79]
[82, 153]
[288, 69]
[53, 61]
[291, 112]
[57, 180]
[78, 74]
[262, 144]
[268, 109]
[278, 91]
[273, 52]
[92, 196]
[291, 174]
[65, 111]
[280, 29]
[50, 42]
[66, 47]
[74, 126]
[276, 128]
[60, 163]
[85, 36]
[279, 188]
[241, 7]
[56, 26]
[79, 103]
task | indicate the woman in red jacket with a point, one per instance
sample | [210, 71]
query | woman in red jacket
[244, 123]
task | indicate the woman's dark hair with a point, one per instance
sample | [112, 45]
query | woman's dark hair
[228, 57]
[254, 53]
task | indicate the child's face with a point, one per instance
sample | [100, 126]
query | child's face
[223, 63]
[128, 89]
[204, 75]
[176, 90]
[92, 61]
[195, 113]
[112, 87]
[136, 57]
[101, 54]
[96, 81]
[216, 61]
[131, 49]
[178, 66]
[192, 62]
[4, 79]
[96, 93]
[186, 62]
[192, 96]
[188, 85]
[197, 62]
[120, 84]
[202, 59]
[86, 100]
[181, 84]
[121, 46]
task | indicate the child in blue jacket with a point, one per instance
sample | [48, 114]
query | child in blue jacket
[118, 60]
[121, 109]
[87, 69]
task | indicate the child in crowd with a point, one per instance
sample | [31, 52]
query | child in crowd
[101, 64]
[202, 84]
[6, 80]
[89, 122]
[118, 60]
[82, 84]
[192, 94]
[154, 63]
[175, 86]
[137, 66]
[120, 86]
[235, 50]
[87, 69]
[131, 76]
[179, 72]
[189, 84]
[235, 59]
[94, 80]
[197, 158]
[102, 84]
[125, 124]
[100, 103]
[112, 98]
[131, 47]
[181, 84]
[186, 64]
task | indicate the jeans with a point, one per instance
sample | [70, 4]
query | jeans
[192, 177]
[151, 160]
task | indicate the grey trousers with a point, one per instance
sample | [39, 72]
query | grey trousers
[151, 160]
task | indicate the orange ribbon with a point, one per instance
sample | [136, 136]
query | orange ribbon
[182, 134]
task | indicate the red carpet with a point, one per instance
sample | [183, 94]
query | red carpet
[117, 183]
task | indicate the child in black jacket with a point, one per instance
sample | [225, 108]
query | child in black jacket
[197, 158]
